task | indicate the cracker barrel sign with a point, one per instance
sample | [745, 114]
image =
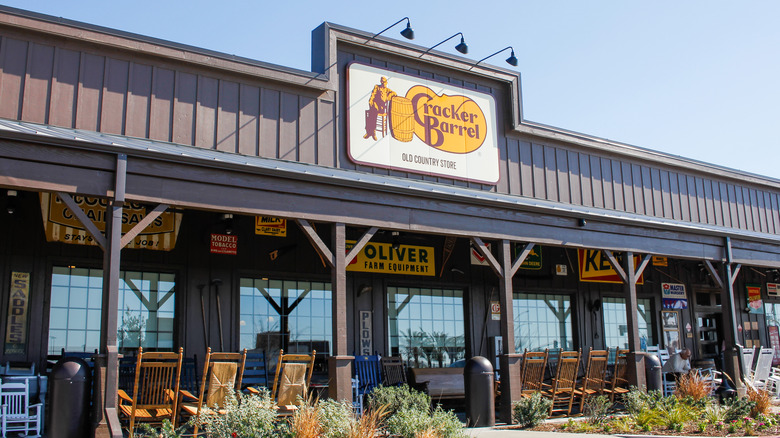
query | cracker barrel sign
[62, 225]
[417, 125]
[16, 330]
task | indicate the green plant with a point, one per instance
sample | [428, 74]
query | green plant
[242, 417]
[738, 408]
[532, 410]
[166, 431]
[336, 418]
[397, 398]
[597, 408]
[714, 413]
[675, 416]
[701, 426]
[647, 419]
[409, 423]
[636, 400]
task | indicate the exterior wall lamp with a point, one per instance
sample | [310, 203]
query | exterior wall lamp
[407, 33]
[462, 47]
[512, 60]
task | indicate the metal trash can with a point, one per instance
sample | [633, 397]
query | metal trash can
[480, 393]
[653, 372]
[69, 392]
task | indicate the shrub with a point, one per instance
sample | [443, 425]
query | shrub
[714, 413]
[245, 416]
[530, 411]
[693, 385]
[369, 424]
[335, 418]
[762, 399]
[738, 408]
[305, 422]
[411, 423]
[674, 417]
[597, 408]
[397, 398]
[166, 431]
[636, 401]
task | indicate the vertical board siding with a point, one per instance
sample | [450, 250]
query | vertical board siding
[65, 82]
[14, 64]
[307, 134]
[161, 110]
[37, 84]
[86, 89]
[227, 117]
[112, 111]
[248, 119]
[184, 108]
[207, 99]
[139, 99]
[269, 123]
[90, 89]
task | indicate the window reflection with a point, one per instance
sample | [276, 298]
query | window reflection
[145, 310]
[616, 326]
[426, 326]
[542, 321]
[289, 314]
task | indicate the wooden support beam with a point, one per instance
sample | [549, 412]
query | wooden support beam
[360, 244]
[713, 274]
[145, 222]
[316, 242]
[521, 258]
[93, 231]
[616, 265]
[485, 252]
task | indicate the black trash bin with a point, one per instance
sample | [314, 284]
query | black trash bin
[480, 394]
[69, 392]
[653, 372]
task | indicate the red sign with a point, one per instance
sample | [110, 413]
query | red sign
[774, 339]
[224, 244]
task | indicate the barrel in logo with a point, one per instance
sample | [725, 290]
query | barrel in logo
[401, 118]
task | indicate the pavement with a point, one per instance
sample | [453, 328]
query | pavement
[505, 432]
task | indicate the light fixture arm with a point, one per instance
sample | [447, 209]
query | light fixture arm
[408, 29]
[512, 60]
[437, 45]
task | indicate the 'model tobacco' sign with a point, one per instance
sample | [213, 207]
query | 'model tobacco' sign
[412, 124]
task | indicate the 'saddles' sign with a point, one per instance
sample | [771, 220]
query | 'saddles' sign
[409, 123]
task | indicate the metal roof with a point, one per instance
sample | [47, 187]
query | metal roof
[131, 146]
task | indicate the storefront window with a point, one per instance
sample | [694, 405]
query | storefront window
[426, 326]
[542, 321]
[289, 314]
[146, 310]
[616, 327]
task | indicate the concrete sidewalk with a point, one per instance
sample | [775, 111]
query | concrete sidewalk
[504, 432]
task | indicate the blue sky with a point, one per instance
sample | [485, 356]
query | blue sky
[692, 78]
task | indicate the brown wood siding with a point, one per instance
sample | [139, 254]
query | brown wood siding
[90, 88]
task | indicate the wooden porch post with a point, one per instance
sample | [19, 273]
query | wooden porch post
[725, 280]
[339, 363]
[509, 359]
[630, 274]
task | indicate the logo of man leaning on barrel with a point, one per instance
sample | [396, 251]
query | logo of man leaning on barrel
[453, 124]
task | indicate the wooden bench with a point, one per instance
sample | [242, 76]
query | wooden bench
[439, 383]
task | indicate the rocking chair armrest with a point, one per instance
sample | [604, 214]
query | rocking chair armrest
[171, 394]
[123, 396]
[252, 390]
[184, 394]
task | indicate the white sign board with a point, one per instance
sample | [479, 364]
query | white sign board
[419, 125]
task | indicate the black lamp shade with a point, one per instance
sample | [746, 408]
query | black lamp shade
[512, 60]
[408, 33]
[462, 47]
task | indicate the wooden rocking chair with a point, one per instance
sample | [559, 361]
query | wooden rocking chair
[292, 378]
[534, 365]
[593, 382]
[222, 373]
[619, 383]
[155, 389]
[562, 393]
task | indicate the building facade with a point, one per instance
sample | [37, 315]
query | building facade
[166, 196]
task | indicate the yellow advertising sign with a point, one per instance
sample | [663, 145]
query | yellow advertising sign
[61, 225]
[382, 258]
[16, 331]
[270, 226]
[594, 267]
[660, 261]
